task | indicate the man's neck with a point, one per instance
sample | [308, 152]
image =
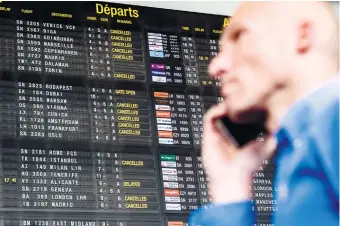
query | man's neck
[281, 102]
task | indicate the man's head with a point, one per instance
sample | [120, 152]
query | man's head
[270, 51]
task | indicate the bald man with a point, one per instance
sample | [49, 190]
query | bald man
[278, 65]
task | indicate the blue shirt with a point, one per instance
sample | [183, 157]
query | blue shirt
[307, 168]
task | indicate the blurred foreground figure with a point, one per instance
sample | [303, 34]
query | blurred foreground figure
[279, 64]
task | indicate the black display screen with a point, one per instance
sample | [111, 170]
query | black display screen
[101, 114]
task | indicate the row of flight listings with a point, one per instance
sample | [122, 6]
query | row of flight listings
[108, 181]
[116, 115]
[107, 54]
[167, 222]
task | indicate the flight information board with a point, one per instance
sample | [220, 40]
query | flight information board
[78, 179]
[172, 119]
[101, 114]
[165, 58]
[179, 183]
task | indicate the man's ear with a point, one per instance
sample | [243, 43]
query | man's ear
[305, 37]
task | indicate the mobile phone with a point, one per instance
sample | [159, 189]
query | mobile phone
[240, 134]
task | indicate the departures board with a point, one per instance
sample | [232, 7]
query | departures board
[101, 109]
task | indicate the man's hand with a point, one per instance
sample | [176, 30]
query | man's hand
[230, 170]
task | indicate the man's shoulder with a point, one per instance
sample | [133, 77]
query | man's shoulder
[324, 98]
[323, 107]
[324, 110]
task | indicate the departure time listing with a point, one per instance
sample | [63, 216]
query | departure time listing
[77, 179]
